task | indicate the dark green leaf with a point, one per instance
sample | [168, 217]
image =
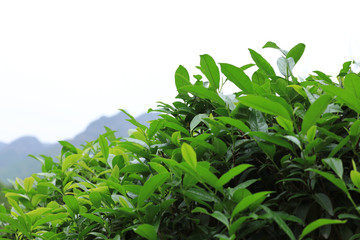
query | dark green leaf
[319, 223]
[262, 63]
[146, 231]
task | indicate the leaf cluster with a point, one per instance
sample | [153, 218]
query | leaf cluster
[277, 159]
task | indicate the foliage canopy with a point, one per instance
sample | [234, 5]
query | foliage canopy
[277, 159]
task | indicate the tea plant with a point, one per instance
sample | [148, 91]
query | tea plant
[277, 159]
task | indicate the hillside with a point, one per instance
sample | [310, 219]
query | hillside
[14, 160]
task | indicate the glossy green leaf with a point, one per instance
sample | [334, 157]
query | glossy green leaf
[155, 126]
[352, 84]
[265, 105]
[335, 164]
[70, 161]
[202, 92]
[330, 177]
[207, 176]
[182, 78]
[311, 133]
[150, 187]
[68, 146]
[146, 231]
[235, 123]
[233, 172]
[221, 217]
[71, 203]
[189, 155]
[262, 63]
[270, 44]
[344, 96]
[285, 123]
[209, 68]
[296, 52]
[314, 112]
[319, 223]
[237, 76]
[249, 200]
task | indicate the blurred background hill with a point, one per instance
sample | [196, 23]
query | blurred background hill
[14, 159]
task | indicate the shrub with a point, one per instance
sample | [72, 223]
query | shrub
[275, 160]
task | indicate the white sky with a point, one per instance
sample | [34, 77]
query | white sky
[65, 63]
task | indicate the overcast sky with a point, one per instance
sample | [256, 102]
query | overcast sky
[65, 63]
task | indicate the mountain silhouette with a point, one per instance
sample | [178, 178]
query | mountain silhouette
[14, 159]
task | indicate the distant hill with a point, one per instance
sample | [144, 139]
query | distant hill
[14, 160]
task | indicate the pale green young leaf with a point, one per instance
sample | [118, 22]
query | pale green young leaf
[69, 161]
[314, 112]
[104, 146]
[311, 133]
[189, 155]
[355, 178]
[28, 184]
[209, 68]
[238, 77]
[319, 223]
[150, 187]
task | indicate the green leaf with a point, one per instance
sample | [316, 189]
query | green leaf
[150, 186]
[280, 222]
[296, 52]
[13, 223]
[335, 164]
[235, 123]
[319, 223]
[202, 92]
[210, 70]
[352, 84]
[249, 200]
[221, 217]
[285, 123]
[237, 76]
[355, 178]
[95, 198]
[336, 181]
[262, 63]
[314, 112]
[324, 202]
[270, 44]
[344, 96]
[226, 177]
[311, 133]
[50, 218]
[68, 147]
[207, 176]
[28, 184]
[177, 127]
[135, 168]
[189, 155]
[146, 231]
[182, 78]
[104, 146]
[93, 217]
[265, 105]
[69, 161]
[273, 139]
[355, 129]
[155, 126]
[71, 203]
[197, 120]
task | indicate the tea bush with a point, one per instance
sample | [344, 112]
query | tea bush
[277, 159]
